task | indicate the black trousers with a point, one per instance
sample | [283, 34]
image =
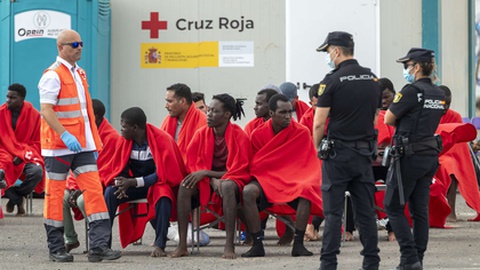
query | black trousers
[349, 170]
[33, 176]
[417, 173]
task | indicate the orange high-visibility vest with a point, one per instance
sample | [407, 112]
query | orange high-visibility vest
[68, 111]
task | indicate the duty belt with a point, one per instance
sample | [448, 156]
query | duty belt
[356, 144]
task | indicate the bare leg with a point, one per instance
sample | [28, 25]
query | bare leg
[229, 191]
[303, 213]
[287, 237]
[451, 197]
[184, 206]
[250, 194]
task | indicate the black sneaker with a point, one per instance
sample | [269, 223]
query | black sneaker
[61, 256]
[103, 253]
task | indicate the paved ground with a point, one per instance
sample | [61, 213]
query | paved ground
[23, 246]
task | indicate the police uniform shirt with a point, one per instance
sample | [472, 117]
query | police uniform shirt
[407, 106]
[353, 95]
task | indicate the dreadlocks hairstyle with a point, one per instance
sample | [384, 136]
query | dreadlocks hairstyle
[235, 106]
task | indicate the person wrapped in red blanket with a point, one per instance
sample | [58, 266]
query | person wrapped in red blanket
[456, 167]
[299, 107]
[261, 110]
[183, 119]
[279, 186]
[73, 197]
[20, 155]
[452, 135]
[217, 160]
[147, 164]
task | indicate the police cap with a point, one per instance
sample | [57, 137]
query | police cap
[338, 38]
[418, 55]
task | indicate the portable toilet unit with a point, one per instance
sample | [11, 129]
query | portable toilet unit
[28, 32]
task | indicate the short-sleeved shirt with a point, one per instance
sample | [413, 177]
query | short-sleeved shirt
[49, 87]
[353, 95]
[412, 120]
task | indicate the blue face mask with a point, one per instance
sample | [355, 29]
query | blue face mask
[329, 60]
[409, 77]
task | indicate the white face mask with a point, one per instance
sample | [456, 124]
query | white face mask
[330, 61]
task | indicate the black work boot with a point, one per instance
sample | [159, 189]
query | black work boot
[103, 253]
[61, 256]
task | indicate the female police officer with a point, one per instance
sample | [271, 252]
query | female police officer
[415, 113]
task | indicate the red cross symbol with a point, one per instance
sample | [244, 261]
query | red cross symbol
[154, 25]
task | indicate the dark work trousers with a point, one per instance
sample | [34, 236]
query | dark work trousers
[417, 173]
[33, 176]
[162, 210]
[350, 169]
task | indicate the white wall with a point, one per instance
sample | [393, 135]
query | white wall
[134, 86]
[400, 30]
[455, 52]
[309, 22]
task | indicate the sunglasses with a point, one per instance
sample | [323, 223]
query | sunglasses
[74, 44]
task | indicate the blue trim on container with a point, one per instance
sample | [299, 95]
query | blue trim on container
[432, 29]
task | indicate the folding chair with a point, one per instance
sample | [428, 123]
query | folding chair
[212, 224]
[30, 204]
[134, 205]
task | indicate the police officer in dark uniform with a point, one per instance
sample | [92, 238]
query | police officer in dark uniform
[415, 113]
[350, 96]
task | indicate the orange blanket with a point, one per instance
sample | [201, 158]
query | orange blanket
[300, 109]
[253, 124]
[283, 173]
[23, 143]
[200, 157]
[194, 120]
[170, 171]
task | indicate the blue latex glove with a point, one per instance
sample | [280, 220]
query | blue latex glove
[71, 142]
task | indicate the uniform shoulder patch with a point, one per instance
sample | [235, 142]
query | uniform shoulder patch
[321, 89]
[397, 98]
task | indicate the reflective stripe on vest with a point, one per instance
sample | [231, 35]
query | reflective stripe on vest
[70, 114]
[67, 101]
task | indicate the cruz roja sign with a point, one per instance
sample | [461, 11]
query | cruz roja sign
[240, 25]
[221, 23]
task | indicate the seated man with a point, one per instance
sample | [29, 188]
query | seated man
[73, 197]
[20, 147]
[217, 160]
[183, 119]
[456, 170]
[199, 100]
[278, 179]
[147, 164]
[261, 110]
[299, 107]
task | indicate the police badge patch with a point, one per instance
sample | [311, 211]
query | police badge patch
[398, 96]
[321, 89]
